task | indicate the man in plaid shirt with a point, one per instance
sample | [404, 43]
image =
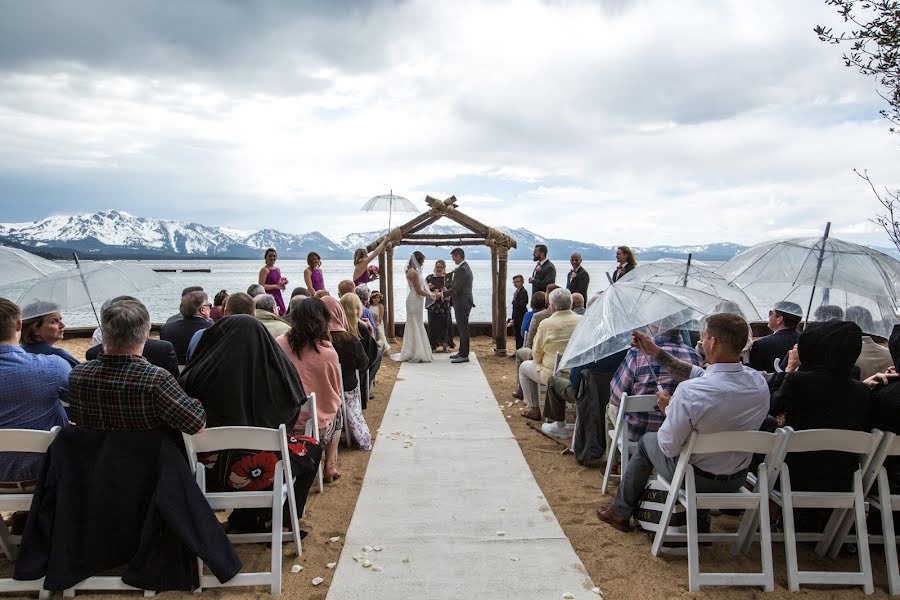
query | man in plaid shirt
[120, 390]
[635, 379]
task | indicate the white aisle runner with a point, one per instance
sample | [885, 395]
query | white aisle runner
[451, 501]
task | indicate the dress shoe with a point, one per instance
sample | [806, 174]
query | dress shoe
[532, 413]
[460, 359]
[454, 355]
[518, 395]
[607, 515]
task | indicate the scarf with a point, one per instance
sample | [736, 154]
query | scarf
[337, 317]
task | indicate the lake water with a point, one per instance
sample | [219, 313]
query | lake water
[237, 275]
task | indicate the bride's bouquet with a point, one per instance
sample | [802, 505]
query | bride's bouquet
[373, 272]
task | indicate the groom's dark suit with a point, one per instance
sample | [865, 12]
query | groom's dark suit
[461, 294]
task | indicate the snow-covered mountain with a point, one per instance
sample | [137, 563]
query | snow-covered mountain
[113, 233]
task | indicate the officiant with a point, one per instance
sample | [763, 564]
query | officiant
[440, 324]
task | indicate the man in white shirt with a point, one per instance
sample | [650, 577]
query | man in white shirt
[727, 396]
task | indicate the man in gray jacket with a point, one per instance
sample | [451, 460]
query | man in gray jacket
[461, 295]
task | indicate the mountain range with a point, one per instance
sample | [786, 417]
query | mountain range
[112, 234]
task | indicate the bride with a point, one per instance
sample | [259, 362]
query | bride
[416, 347]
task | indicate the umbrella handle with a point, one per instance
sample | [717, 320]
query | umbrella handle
[86, 289]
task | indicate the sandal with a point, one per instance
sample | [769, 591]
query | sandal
[330, 477]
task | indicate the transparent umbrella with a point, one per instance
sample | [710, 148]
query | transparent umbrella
[389, 203]
[92, 282]
[693, 275]
[18, 265]
[607, 324]
[820, 272]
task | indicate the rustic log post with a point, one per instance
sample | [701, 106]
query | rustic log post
[382, 287]
[502, 260]
[494, 325]
[390, 332]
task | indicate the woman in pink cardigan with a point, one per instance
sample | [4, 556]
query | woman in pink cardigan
[308, 346]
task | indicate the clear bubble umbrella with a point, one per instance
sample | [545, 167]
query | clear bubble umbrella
[18, 265]
[697, 276]
[607, 324]
[820, 272]
[389, 203]
[91, 282]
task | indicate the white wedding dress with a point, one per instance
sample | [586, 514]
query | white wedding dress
[416, 347]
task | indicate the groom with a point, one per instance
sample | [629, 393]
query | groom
[461, 294]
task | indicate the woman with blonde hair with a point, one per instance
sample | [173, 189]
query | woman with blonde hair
[361, 262]
[627, 261]
[353, 359]
[357, 326]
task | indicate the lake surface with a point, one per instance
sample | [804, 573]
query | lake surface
[237, 275]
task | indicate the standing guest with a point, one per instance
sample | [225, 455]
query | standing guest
[784, 318]
[544, 271]
[873, 358]
[218, 308]
[626, 262]
[266, 313]
[578, 278]
[439, 325]
[120, 390]
[353, 359]
[361, 262]
[41, 333]
[727, 396]
[519, 309]
[578, 304]
[271, 280]
[157, 352]
[32, 388]
[313, 276]
[308, 346]
[363, 293]
[177, 316]
[194, 310]
[244, 379]
[255, 290]
[237, 304]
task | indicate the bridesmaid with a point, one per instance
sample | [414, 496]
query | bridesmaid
[361, 262]
[315, 281]
[270, 278]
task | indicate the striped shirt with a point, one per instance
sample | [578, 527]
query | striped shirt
[116, 392]
[635, 379]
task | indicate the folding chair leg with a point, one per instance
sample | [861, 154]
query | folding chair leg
[862, 536]
[751, 522]
[790, 538]
[664, 520]
[887, 530]
[277, 508]
[765, 533]
[610, 457]
[693, 532]
[6, 542]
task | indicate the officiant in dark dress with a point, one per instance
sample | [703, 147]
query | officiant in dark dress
[440, 325]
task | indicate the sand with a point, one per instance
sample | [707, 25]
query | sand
[621, 564]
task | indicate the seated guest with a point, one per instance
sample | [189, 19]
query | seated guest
[538, 307]
[885, 416]
[552, 337]
[322, 293]
[345, 287]
[356, 326]
[32, 388]
[244, 379]
[255, 290]
[177, 316]
[635, 378]
[157, 352]
[237, 304]
[353, 359]
[822, 394]
[194, 316]
[727, 396]
[267, 313]
[828, 312]
[120, 390]
[300, 291]
[308, 346]
[783, 321]
[873, 358]
[577, 304]
[42, 328]
[218, 308]
[362, 290]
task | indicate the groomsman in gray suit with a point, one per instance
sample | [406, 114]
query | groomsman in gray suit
[460, 291]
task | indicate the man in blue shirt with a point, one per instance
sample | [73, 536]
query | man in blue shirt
[32, 387]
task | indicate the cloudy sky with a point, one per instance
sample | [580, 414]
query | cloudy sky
[637, 122]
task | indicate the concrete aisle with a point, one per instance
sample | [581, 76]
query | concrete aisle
[450, 498]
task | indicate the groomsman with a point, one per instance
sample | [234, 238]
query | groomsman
[519, 308]
[579, 279]
[544, 272]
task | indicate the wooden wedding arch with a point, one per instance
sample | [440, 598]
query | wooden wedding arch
[480, 234]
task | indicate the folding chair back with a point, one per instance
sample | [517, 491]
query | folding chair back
[20, 440]
[620, 435]
[860, 443]
[755, 503]
[266, 440]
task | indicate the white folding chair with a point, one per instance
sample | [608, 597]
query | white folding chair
[255, 438]
[20, 440]
[312, 430]
[864, 446]
[877, 490]
[344, 411]
[619, 436]
[755, 503]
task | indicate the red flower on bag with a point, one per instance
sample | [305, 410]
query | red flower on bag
[254, 472]
[297, 444]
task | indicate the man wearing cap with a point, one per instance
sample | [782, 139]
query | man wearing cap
[783, 320]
